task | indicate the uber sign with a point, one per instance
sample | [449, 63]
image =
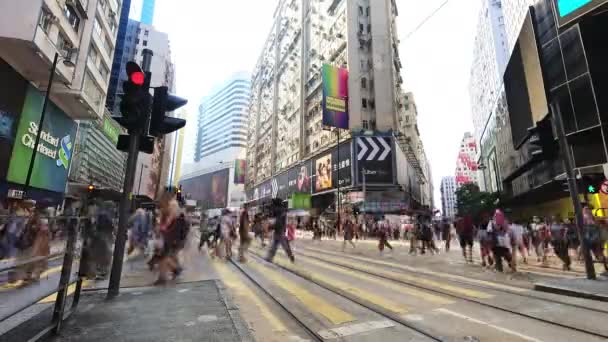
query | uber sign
[570, 11]
[375, 156]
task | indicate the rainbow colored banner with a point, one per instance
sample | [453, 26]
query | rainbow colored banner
[240, 169]
[335, 96]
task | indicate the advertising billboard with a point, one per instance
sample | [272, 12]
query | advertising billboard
[210, 190]
[524, 84]
[11, 102]
[568, 11]
[54, 153]
[375, 158]
[323, 173]
[300, 178]
[240, 170]
[335, 96]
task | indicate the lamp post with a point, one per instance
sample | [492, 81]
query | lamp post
[67, 61]
[141, 171]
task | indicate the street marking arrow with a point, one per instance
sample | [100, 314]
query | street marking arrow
[362, 150]
[375, 149]
[387, 149]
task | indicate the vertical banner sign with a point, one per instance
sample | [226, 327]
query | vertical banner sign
[335, 97]
[240, 169]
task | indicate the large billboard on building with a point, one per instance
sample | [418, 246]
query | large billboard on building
[54, 155]
[568, 11]
[375, 158]
[335, 96]
[240, 170]
[323, 173]
[524, 84]
[210, 189]
[11, 103]
[333, 169]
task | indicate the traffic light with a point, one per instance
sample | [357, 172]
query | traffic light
[91, 188]
[543, 144]
[160, 124]
[179, 193]
[592, 183]
[136, 100]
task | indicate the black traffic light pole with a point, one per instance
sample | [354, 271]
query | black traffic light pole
[125, 201]
[573, 187]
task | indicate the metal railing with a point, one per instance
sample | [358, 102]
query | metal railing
[73, 229]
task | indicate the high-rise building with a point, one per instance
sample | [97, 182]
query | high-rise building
[466, 164]
[222, 121]
[143, 11]
[285, 108]
[119, 60]
[448, 197]
[490, 57]
[82, 35]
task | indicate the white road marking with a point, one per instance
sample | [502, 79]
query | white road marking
[413, 317]
[207, 318]
[474, 320]
[183, 290]
[190, 324]
[357, 328]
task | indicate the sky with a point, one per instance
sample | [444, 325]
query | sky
[211, 40]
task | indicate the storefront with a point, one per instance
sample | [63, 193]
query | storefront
[20, 110]
[362, 162]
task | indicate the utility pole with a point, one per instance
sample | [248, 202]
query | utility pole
[573, 186]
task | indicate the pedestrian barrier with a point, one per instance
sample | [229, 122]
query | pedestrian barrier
[73, 227]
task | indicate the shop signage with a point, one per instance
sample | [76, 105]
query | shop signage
[54, 151]
[375, 157]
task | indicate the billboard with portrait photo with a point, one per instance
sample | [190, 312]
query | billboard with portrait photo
[323, 173]
[210, 190]
[300, 178]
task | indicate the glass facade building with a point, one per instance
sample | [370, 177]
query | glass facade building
[147, 12]
[223, 120]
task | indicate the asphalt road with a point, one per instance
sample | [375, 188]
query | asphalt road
[360, 295]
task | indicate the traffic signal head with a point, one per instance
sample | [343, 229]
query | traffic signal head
[160, 124]
[136, 100]
[91, 188]
[543, 145]
[592, 183]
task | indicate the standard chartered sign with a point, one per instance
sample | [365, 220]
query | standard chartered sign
[47, 145]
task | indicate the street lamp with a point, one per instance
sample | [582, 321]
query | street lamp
[67, 61]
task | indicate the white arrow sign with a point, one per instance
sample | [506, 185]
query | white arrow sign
[387, 149]
[363, 149]
[275, 188]
[375, 149]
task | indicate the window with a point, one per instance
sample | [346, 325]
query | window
[94, 55]
[97, 27]
[138, 31]
[364, 103]
[63, 43]
[367, 11]
[104, 71]
[72, 16]
[145, 43]
[146, 33]
[360, 28]
[369, 28]
[360, 10]
[137, 41]
[363, 83]
[45, 21]
[92, 91]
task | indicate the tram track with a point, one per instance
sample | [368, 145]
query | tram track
[463, 297]
[370, 307]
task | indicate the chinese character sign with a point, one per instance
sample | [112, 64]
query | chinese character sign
[335, 96]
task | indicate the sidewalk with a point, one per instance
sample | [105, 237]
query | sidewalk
[579, 288]
[197, 311]
[57, 248]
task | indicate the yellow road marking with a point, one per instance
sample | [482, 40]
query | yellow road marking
[19, 283]
[310, 301]
[413, 279]
[440, 275]
[346, 287]
[52, 298]
[235, 284]
[398, 288]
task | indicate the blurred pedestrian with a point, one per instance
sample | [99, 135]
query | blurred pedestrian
[349, 232]
[446, 233]
[383, 235]
[504, 241]
[465, 235]
[245, 240]
[279, 227]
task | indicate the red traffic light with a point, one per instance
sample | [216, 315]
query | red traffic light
[138, 78]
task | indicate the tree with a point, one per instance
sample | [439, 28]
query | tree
[470, 200]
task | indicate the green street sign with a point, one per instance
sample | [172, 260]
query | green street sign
[111, 130]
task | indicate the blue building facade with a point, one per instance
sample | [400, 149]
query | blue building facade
[117, 64]
[147, 12]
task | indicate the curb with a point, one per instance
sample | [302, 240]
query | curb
[241, 327]
[570, 292]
